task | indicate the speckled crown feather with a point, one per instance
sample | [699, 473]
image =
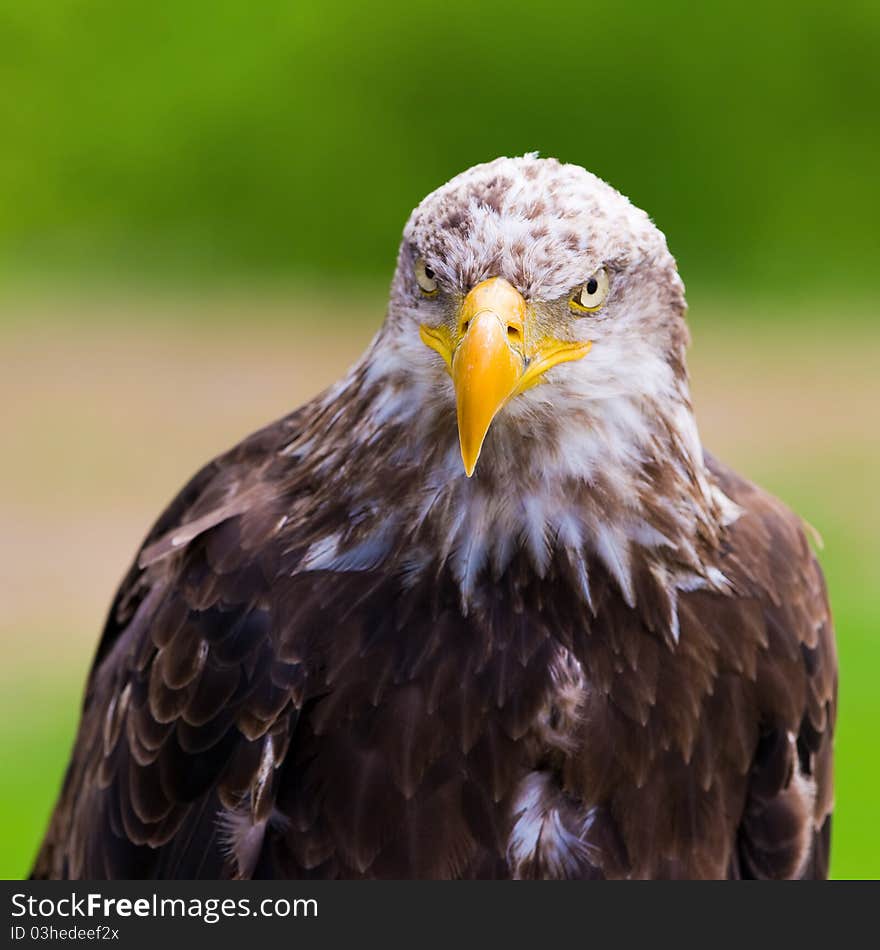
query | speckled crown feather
[542, 224]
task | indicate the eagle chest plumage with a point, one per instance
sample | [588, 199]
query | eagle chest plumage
[338, 654]
[356, 723]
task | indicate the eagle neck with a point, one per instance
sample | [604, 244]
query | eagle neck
[595, 493]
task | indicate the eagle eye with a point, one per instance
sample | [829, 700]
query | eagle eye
[425, 278]
[589, 297]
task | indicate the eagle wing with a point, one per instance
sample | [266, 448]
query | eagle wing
[188, 711]
[786, 824]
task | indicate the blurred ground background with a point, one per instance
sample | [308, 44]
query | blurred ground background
[200, 205]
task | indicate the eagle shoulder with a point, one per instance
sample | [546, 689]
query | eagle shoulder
[182, 714]
[786, 823]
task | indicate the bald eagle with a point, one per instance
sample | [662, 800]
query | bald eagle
[483, 609]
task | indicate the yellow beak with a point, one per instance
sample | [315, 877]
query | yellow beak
[491, 360]
[485, 372]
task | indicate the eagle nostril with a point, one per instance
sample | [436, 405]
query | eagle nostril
[514, 333]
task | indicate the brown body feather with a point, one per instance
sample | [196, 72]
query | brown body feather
[243, 718]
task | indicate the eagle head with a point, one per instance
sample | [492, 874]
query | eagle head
[525, 395]
[536, 300]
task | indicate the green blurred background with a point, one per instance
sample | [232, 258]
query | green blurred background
[200, 205]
